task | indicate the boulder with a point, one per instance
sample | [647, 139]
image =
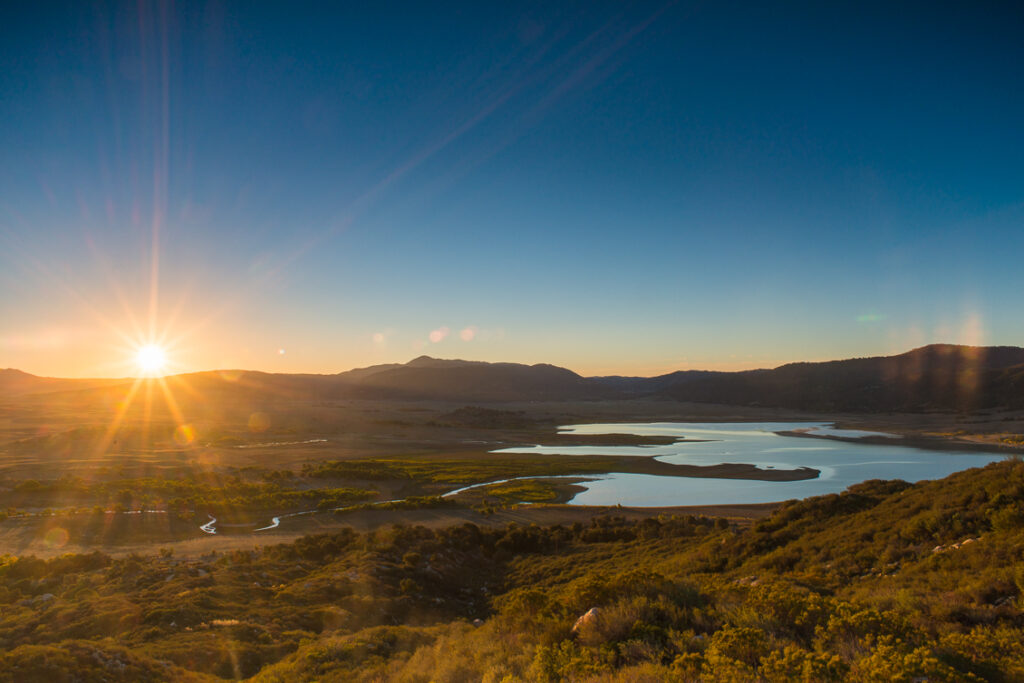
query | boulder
[589, 618]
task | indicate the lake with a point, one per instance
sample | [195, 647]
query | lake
[840, 463]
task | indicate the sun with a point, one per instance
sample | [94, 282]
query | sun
[151, 360]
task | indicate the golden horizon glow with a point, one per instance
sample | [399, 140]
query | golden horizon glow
[151, 360]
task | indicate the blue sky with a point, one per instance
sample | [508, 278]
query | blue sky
[613, 188]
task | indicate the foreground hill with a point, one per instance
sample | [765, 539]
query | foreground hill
[888, 581]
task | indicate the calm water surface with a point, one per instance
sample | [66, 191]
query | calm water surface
[840, 463]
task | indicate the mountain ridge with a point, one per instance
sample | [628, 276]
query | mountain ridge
[932, 377]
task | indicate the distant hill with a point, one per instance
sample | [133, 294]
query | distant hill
[652, 385]
[423, 378]
[15, 382]
[427, 377]
[937, 377]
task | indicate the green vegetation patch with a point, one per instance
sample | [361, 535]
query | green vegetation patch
[886, 581]
[460, 471]
[410, 503]
[522, 491]
[210, 492]
[528, 491]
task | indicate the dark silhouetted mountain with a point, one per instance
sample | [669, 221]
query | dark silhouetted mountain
[361, 373]
[651, 385]
[434, 378]
[936, 377]
[422, 378]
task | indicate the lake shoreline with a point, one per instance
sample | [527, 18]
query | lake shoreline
[909, 440]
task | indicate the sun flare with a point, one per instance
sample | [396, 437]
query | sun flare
[151, 359]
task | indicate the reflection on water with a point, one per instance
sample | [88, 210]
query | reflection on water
[840, 463]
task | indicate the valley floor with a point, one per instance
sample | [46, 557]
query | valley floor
[887, 581]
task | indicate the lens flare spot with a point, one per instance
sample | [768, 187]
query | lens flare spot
[468, 334]
[439, 334]
[259, 422]
[184, 435]
[230, 375]
[56, 537]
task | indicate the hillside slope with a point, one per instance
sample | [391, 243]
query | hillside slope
[423, 378]
[15, 382]
[427, 377]
[937, 377]
[888, 581]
